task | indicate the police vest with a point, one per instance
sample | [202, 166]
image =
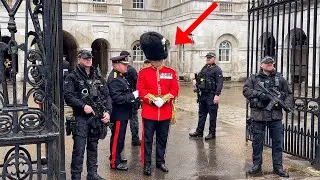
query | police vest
[205, 82]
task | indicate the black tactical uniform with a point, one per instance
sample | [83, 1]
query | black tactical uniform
[261, 117]
[131, 75]
[77, 86]
[122, 101]
[209, 84]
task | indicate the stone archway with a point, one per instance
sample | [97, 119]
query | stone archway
[100, 51]
[269, 47]
[70, 47]
[298, 55]
[8, 64]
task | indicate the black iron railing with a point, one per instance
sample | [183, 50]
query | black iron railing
[31, 103]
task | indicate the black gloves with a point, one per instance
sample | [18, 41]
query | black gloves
[263, 97]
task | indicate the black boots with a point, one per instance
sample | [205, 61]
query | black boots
[147, 170]
[120, 167]
[163, 167]
[210, 136]
[94, 176]
[196, 134]
[256, 169]
[280, 172]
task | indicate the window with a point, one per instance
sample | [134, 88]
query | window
[138, 4]
[99, 0]
[225, 51]
[137, 53]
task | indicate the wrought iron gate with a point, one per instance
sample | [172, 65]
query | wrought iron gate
[287, 31]
[31, 110]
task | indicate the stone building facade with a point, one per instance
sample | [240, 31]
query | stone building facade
[109, 26]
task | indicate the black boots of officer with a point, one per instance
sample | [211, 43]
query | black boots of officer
[198, 134]
[280, 172]
[256, 170]
[147, 169]
[210, 136]
[94, 176]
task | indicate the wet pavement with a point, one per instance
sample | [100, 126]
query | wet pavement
[226, 157]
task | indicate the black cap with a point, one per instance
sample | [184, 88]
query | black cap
[154, 46]
[124, 53]
[211, 55]
[122, 58]
[84, 54]
[267, 59]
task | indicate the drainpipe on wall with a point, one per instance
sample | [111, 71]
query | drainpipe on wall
[181, 62]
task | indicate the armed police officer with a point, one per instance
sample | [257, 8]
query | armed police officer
[88, 95]
[256, 91]
[132, 75]
[123, 99]
[208, 85]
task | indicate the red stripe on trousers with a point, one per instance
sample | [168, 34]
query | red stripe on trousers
[114, 145]
[142, 144]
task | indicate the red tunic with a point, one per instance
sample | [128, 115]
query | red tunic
[152, 83]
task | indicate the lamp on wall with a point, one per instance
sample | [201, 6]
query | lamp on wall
[190, 35]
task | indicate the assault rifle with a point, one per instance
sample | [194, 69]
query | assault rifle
[95, 120]
[274, 97]
[197, 90]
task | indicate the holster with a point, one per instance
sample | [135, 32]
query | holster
[249, 125]
[70, 125]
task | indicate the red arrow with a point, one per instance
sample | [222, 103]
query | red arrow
[182, 37]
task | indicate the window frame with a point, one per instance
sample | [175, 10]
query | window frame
[137, 3]
[137, 54]
[225, 53]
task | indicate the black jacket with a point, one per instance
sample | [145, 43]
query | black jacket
[131, 76]
[210, 80]
[74, 85]
[252, 92]
[122, 97]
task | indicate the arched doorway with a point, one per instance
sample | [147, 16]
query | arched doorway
[70, 47]
[269, 47]
[8, 64]
[100, 50]
[298, 55]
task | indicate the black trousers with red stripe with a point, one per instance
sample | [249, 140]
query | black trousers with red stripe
[117, 141]
[162, 129]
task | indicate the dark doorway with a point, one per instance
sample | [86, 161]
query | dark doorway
[269, 47]
[298, 55]
[70, 47]
[100, 51]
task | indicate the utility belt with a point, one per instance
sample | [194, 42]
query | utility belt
[97, 128]
[70, 125]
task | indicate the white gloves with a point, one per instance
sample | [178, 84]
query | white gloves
[159, 102]
[136, 94]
